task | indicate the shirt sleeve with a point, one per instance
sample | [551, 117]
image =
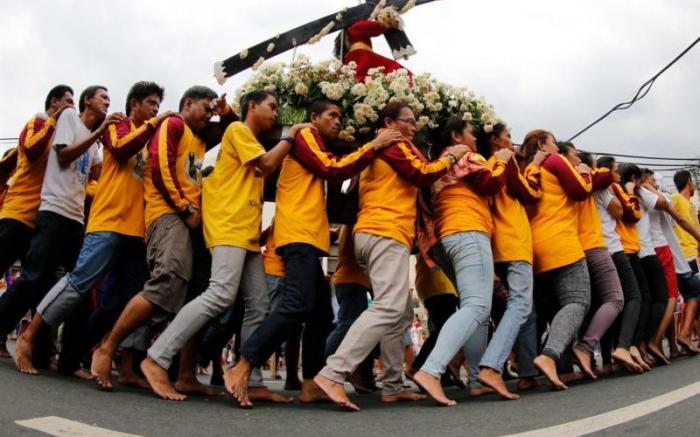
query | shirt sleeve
[575, 185]
[35, 137]
[365, 29]
[243, 143]
[602, 178]
[66, 128]
[631, 209]
[603, 198]
[489, 181]
[411, 167]
[649, 199]
[96, 155]
[527, 187]
[123, 140]
[310, 151]
[163, 158]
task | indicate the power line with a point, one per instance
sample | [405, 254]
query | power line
[641, 92]
[9, 139]
[659, 164]
[661, 158]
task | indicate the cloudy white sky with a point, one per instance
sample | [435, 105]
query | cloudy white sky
[556, 64]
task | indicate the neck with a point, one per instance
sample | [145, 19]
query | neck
[138, 121]
[89, 118]
[253, 126]
[685, 192]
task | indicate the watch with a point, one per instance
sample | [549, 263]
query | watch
[287, 138]
[189, 210]
[452, 157]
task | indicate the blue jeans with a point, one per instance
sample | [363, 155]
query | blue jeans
[472, 261]
[518, 278]
[352, 301]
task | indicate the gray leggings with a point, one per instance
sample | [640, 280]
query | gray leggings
[571, 286]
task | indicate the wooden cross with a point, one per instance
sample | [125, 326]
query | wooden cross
[397, 39]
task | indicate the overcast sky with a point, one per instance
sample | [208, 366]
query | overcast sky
[553, 64]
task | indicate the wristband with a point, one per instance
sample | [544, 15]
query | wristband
[452, 157]
[288, 139]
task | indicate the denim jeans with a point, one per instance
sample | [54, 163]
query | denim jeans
[472, 262]
[518, 279]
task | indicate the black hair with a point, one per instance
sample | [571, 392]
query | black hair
[483, 139]
[257, 96]
[197, 92]
[628, 172]
[57, 93]
[606, 162]
[647, 172]
[89, 93]
[565, 146]
[586, 158]
[681, 179]
[141, 90]
[443, 135]
[319, 106]
[391, 111]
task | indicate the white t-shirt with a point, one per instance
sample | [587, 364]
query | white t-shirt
[612, 239]
[667, 222]
[648, 201]
[63, 191]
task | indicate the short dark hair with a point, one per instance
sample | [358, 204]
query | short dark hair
[628, 172]
[197, 92]
[565, 146]
[681, 179]
[586, 158]
[391, 111]
[141, 90]
[57, 93]
[483, 139]
[257, 96]
[89, 93]
[606, 162]
[319, 106]
[647, 172]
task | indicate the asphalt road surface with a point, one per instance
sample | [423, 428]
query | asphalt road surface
[664, 401]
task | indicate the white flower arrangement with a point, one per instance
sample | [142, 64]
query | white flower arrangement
[301, 82]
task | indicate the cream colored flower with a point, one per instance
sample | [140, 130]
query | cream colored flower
[359, 90]
[270, 47]
[301, 89]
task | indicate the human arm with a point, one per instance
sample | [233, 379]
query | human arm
[576, 185]
[69, 152]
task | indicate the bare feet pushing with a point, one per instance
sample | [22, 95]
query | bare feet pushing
[101, 368]
[192, 386]
[480, 390]
[23, 357]
[311, 393]
[493, 379]
[549, 368]
[624, 357]
[403, 396]
[335, 392]
[528, 383]
[236, 383]
[658, 354]
[158, 379]
[132, 379]
[637, 357]
[432, 386]
[584, 360]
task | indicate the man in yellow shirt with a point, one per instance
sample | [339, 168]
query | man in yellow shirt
[232, 204]
[681, 203]
[115, 231]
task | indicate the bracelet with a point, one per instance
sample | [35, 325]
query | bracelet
[288, 139]
[452, 157]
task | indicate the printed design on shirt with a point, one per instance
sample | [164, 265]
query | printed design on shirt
[139, 161]
[193, 168]
[81, 166]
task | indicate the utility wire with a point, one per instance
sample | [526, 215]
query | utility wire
[641, 93]
[661, 158]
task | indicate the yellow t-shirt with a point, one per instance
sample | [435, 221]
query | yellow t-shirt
[687, 210]
[431, 283]
[232, 196]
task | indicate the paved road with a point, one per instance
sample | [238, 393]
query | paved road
[139, 412]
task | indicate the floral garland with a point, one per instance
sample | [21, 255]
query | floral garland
[301, 82]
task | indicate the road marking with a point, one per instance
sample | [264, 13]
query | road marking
[61, 427]
[616, 417]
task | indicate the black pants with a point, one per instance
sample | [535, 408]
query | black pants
[440, 308]
[645, 308]
[658, 292]
[627, 321]
[305, 299]
[15, 237]
[55, 244]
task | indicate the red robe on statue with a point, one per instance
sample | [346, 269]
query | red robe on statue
[360, 34]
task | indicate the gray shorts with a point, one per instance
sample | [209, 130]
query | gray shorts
[169, 253]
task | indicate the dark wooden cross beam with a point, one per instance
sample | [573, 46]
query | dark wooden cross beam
[397, 39]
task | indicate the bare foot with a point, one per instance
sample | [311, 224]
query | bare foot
[493, 379]
[475, 392]
[624, 357]
[133, 380]
[658, 354]
[686, 344]
[292, 385]
[336, 392]
[194, 387]
[525, 384]
[83, 374]
[158, 379]
[570, 377]
[311, 393]
[236, 383]
[23, 356]
[403, 396]
[357, 383]
[264, 394]
[432, 386]
[101, 368]
[637, 357]
[549, 368]
[584, 360]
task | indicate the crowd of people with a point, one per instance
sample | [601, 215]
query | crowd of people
[534, 258]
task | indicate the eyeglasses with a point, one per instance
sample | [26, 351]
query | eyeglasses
[411, 121]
